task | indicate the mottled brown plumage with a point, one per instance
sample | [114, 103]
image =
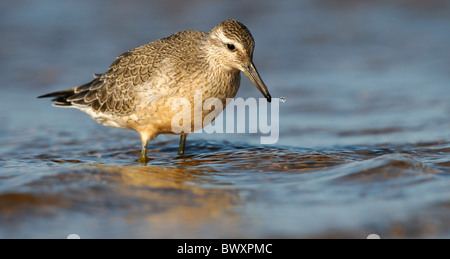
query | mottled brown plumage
[139, 87]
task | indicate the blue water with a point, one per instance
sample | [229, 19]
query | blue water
[364, 133]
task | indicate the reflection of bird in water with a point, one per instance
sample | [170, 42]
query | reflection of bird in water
[138, 89]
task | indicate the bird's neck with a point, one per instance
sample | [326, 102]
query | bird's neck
[225, 79]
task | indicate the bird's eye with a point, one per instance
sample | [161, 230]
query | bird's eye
[231, 47]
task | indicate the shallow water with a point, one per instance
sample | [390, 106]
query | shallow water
[364, 133]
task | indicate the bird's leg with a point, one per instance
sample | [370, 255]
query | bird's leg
[182, 144]
[144, 159]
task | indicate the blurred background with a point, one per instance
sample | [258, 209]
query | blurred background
[368, 103]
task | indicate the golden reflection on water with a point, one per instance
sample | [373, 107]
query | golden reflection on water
[175, 204]
[184, 198]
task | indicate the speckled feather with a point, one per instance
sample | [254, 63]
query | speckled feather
[115, 91]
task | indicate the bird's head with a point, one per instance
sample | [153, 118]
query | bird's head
[232, 47]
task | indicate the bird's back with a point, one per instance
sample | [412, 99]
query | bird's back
[114, 92]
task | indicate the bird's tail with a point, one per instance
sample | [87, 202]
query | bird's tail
[60, 97]
[69, 97]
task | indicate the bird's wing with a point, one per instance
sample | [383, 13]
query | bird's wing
[113, 91]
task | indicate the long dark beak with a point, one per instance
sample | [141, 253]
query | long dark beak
[251, 72]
